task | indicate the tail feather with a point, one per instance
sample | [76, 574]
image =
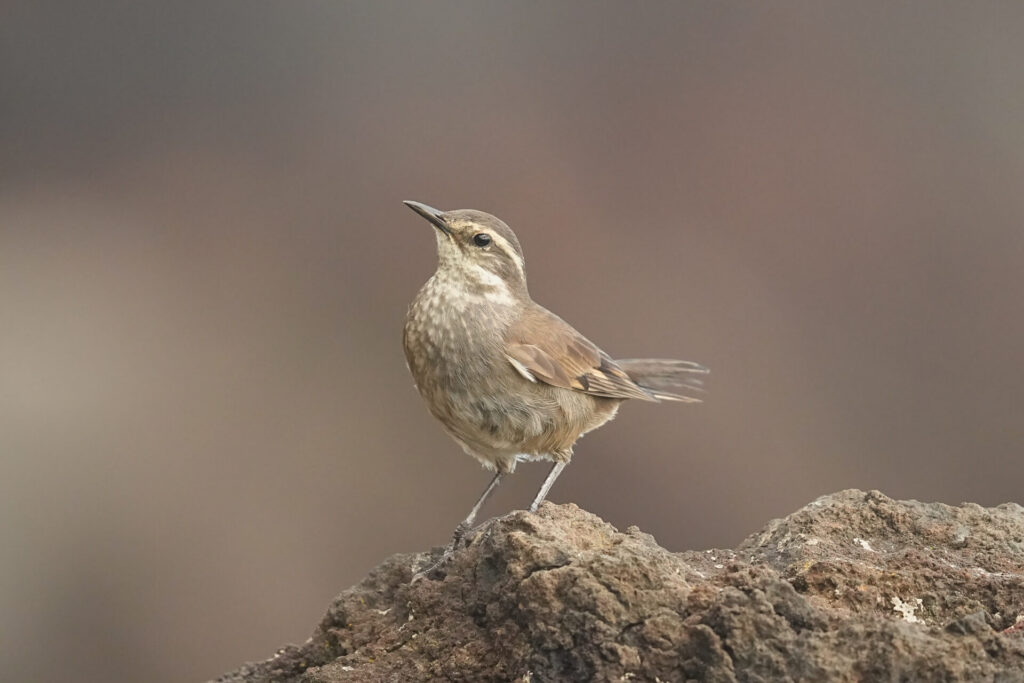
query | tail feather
[667, 380]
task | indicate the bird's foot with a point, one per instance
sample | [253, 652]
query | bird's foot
[449, 551]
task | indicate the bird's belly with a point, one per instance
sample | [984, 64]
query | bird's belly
[496, 425]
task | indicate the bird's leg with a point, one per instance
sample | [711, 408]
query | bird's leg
[463, 527]
[467, 524]
[548, 483]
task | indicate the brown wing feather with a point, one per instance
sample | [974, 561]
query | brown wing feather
[556, 354]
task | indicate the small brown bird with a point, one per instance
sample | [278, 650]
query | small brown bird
[508, 379]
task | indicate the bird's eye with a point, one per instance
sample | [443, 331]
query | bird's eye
[481, 239]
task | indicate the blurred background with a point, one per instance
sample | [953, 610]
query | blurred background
[206, 424]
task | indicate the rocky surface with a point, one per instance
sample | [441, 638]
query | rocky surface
[853, 587]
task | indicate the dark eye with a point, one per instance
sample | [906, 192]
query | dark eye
[481, 239]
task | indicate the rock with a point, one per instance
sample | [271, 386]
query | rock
[853, 587]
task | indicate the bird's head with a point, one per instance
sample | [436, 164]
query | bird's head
[476, 250]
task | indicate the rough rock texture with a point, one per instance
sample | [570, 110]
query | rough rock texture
[853, 587]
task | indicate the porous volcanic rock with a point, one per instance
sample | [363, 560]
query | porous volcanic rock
[853, 587]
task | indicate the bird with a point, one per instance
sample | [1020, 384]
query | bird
[507, 379]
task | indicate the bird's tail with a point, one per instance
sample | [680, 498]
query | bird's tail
[667, 380]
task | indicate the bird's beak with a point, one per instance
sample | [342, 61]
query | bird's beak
[431, 214]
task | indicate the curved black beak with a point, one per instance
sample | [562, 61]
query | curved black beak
[431, 214]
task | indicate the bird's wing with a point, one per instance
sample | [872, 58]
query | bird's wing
[543, 347]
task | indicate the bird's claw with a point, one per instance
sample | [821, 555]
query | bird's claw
[458, 536]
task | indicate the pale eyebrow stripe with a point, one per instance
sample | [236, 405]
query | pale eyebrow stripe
[508, 249]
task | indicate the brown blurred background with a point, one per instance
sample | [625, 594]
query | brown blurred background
[206, 424]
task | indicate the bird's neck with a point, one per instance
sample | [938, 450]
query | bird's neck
[475, 286]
